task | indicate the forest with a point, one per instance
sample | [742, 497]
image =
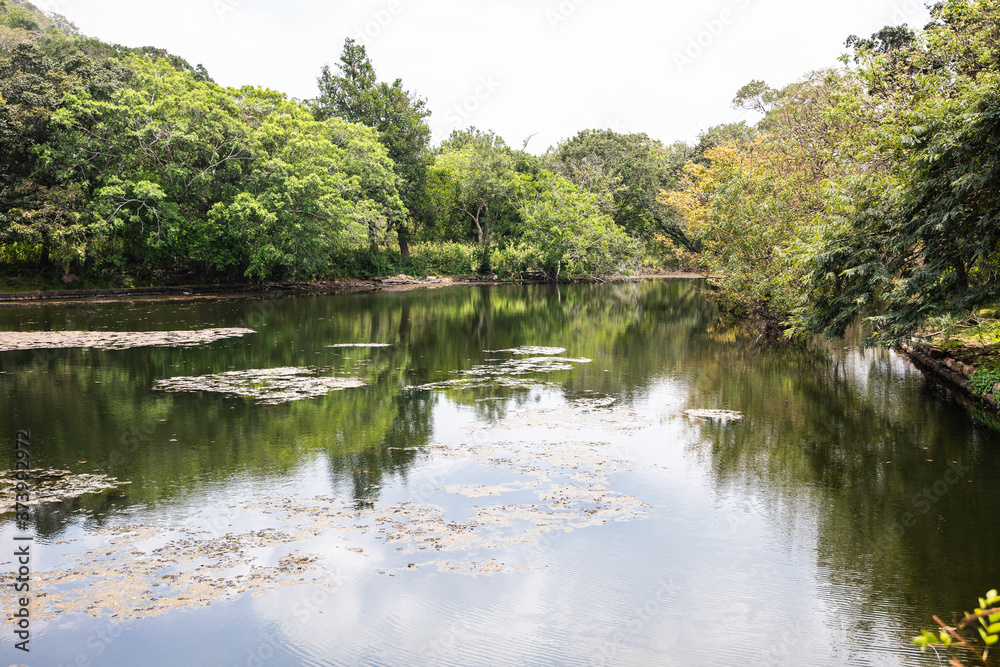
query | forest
[868, 189]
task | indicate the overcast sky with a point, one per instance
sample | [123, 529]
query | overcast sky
[519, 67]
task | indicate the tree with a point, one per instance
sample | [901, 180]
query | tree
[356, 95]
[474, 175]
[627, 172]
[569, 233]
[923, 241]
[929, 248]
[718, 135]
[41, 205]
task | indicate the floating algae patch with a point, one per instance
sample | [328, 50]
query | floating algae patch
[141, 571]
[49, 486]
[269, 386]
[114, 340]
[598, 412]
[361, 345]
[509, 373]
[481, 490]
[129, 578]
[723, 415]
[531, 349]
[473, 568]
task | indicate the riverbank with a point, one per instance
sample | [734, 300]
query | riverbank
[196, 292]
[955, 366]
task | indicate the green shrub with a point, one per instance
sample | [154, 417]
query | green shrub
[19, 18]
[444, 258]
[984, 379]
[513, 261]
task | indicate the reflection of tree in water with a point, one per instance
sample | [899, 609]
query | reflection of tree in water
[97, 407]
[860, 447]
[369, 464]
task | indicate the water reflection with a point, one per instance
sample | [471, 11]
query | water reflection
[853, 499]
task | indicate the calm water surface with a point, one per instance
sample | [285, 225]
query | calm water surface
[545, 508]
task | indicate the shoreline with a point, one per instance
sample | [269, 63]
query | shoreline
[354, 286]
[954, 373]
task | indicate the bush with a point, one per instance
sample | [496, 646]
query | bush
[513, 261]
[445, 258]
[19, 18]
[984, 379]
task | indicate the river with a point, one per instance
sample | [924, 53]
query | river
[482, 475]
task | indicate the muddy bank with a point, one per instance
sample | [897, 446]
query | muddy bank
[195, 292]
[943, 365]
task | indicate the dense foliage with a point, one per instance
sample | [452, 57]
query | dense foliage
[866, 191]
[131, 166]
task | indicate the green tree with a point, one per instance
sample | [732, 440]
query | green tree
[627, 172]
[356, 95]
[929, 248]
[474, 175]
[570, 234]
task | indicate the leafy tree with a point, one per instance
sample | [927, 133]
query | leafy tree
[923, 242]
[569, 232]
[19, 17]
[39, 204]
[718, 135]
[929, 248]
[627, 172]
[356, 95]
[474, 175]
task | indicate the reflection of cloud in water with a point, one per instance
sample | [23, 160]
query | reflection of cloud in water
[145, 571]
[270, 386]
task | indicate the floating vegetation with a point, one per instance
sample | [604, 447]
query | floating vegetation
[597, 412]
[114, 340]
[361, 345]
[472, 568]
[50, 486]
[724, 415]
[505, 374]
[269, 386]
[531, 349]
[141, 571]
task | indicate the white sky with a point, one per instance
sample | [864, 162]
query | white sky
[518, 67]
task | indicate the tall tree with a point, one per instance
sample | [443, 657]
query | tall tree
[355, 94]
[627, 172]
[474, 175]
